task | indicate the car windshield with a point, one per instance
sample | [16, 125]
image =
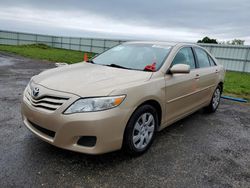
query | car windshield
[134, 56]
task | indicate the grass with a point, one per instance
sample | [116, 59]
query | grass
[44, 52]
[236, 84]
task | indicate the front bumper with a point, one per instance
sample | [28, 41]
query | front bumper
[107, 126]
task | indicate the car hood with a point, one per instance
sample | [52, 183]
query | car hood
[86, 79]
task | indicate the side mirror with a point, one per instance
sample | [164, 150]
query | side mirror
[180, 68]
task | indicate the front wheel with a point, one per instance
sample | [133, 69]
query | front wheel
[140, 130]
[215, 101]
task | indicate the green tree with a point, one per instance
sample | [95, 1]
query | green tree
[237, 42]
[234, 42]
[207, 40]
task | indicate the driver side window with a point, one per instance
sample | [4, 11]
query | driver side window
[185, 56]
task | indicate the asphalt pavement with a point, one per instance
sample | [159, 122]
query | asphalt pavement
[202, 150]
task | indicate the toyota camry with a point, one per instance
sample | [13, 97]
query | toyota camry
[122, 97]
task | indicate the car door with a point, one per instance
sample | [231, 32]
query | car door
[207, 76]
[181, 89]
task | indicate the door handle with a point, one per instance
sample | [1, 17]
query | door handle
[197, 76]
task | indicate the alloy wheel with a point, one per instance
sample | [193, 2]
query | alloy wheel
[216, 98]
[143, 131]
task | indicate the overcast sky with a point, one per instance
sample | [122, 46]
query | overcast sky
[168, 20]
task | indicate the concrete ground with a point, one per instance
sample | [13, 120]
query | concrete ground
[203, 150]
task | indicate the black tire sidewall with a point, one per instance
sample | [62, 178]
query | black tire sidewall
[128, 135]
[211, 108]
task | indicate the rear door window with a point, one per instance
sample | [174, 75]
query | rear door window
[202, 58]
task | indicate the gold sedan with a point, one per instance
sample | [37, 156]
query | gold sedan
[120, 98]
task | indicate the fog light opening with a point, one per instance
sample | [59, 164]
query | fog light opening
[87, 141]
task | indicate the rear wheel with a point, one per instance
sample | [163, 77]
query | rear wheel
[215, 101]
[140, 130]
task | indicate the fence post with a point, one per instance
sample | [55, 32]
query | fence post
[212, 49]
[70, 43]
[104, 45]
[91, 45]
[246, 60]
[18, 40]
[80, 43]
[53, 41]
[61, 42]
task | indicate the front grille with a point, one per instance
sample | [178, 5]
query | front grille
[47, 102]
[43, 130]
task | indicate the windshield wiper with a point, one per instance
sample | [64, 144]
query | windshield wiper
[91, 61]
[117, 66]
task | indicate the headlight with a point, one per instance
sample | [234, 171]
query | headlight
[95, 104]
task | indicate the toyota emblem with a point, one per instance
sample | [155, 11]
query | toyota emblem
[35, 92]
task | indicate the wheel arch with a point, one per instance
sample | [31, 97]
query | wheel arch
[221, 84]
[154, 103]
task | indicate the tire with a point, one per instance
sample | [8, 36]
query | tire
[215, 101]
[140, 130]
